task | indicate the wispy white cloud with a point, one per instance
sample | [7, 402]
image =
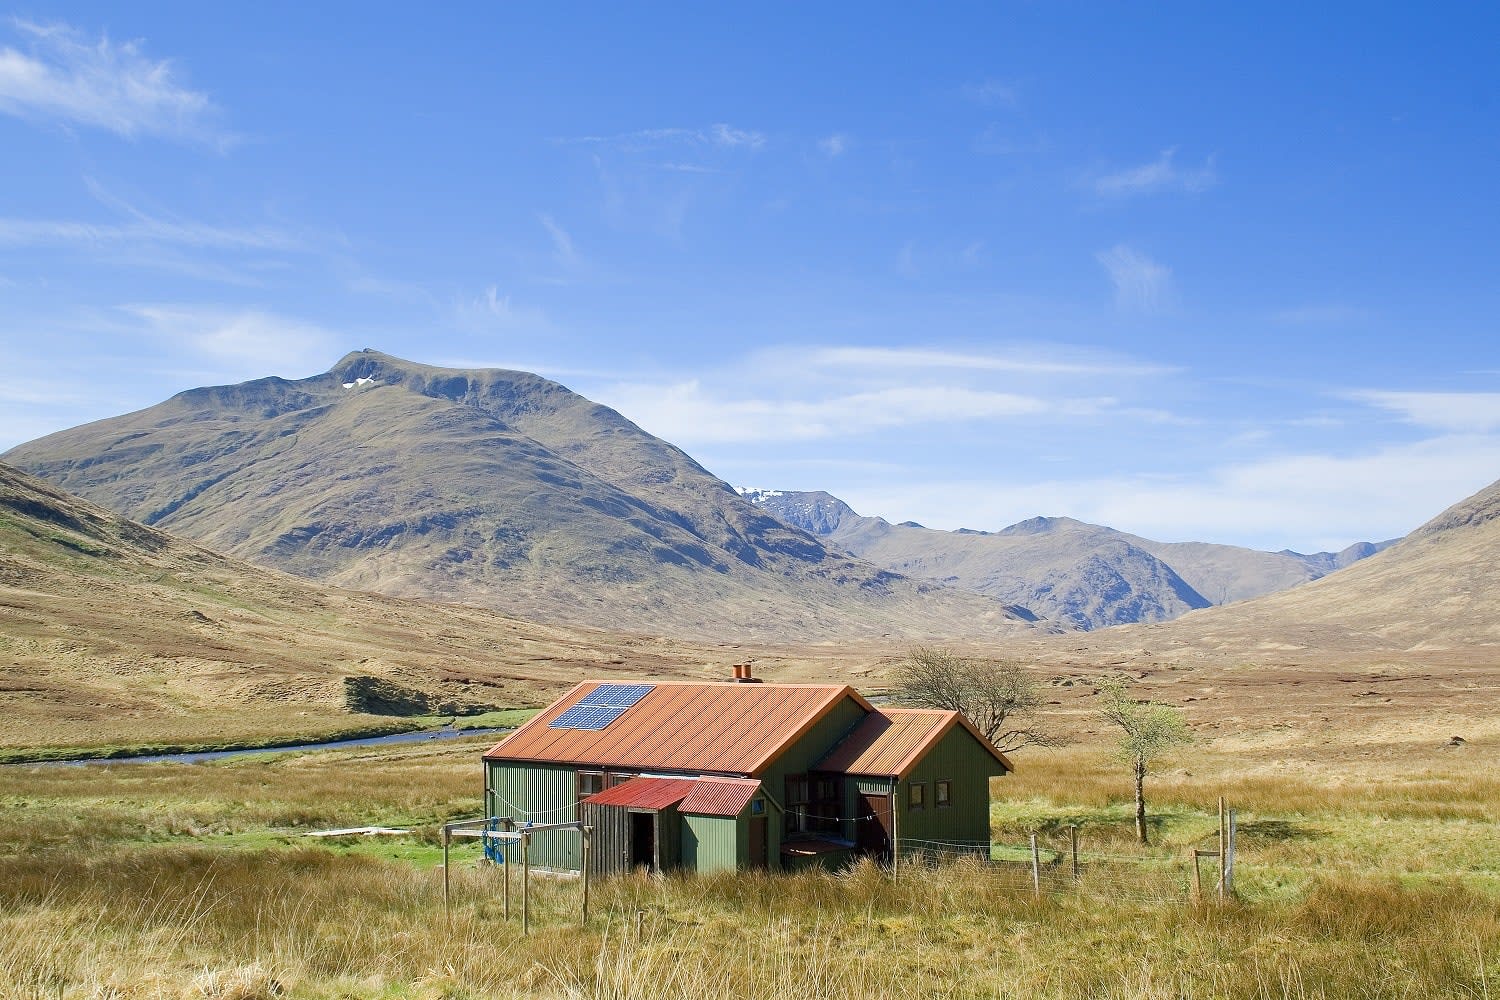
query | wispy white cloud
[834, 146]
[1326, 314]
[992, 93]
[1449, 412]
[1034, 361]
[1142, 285]
[1307, 502]
[687, 412]
[998, 140]
[719, 135]
[1161, 174]
[493, 311]
[135, 226]
[563, 251]
[240, 342]
[68, 78]
[60, 232]
[734, 138]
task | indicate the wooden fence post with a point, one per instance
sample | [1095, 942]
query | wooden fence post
[1229, 855]
[447, 907]
[1223, 855]
[895, 834]
[525, 881]
[587, 832]
[1073, 844]
[1036, 869]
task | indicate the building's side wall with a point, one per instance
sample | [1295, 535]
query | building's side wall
[609, 851]
[961, 760]
[713, 843]
[798, 758]
[543, 793]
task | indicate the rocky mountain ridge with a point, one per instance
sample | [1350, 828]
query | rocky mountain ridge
[1086, 575]
[495, 488]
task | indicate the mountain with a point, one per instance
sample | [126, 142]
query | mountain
[496, 488]
[1086, 575]
[1418, 622]
[1437, 590]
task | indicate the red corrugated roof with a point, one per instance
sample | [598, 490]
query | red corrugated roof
[891, 741]
[644, 793]
[682, 726]
[720, 796]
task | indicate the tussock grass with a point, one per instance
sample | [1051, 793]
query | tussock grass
[181, 921]
[169, 881]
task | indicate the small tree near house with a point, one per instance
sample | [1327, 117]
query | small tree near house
[996, 696]
[1148, 731]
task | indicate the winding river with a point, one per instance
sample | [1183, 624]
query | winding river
[201, 756]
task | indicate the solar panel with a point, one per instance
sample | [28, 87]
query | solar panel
[601, 706]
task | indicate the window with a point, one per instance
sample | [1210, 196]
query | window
[942, 793]
[916, 795]
[827, 805]
[798, 793]
[757, 807]
[589, 783]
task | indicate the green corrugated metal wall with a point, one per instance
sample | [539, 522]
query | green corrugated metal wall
[807, 751]
[712, 843]
[960, 759]
[543, 793]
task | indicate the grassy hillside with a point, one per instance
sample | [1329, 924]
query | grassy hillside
[117, 635]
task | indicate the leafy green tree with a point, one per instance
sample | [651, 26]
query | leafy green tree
[997, 696]
[1149, 730]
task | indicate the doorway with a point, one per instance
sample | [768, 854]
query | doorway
[873, 832]
[643, 840]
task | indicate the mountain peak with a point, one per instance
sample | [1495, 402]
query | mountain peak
[817, 513]
[1041, 526]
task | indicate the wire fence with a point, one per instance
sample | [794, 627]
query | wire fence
[1052, 871]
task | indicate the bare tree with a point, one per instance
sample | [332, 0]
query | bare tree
[1148, 731]
[996, 696]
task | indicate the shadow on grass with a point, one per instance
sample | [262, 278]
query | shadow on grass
[1275, 829]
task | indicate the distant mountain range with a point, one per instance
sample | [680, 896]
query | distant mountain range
[1084, 575]
[493, 488]
[1432, 597]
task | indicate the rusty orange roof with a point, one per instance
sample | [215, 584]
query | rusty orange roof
[682, 726]
[644, 793]
[708, 796]
[892, 740]
[720, 796]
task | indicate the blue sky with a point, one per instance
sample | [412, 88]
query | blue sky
[1197, 274]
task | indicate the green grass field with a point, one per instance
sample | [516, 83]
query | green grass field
[196, 881]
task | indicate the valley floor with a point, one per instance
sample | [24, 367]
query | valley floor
[194, 881]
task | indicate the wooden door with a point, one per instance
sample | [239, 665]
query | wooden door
[757, 842]
[873, 832]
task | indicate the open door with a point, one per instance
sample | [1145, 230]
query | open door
[643, 840]
[757, 842]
